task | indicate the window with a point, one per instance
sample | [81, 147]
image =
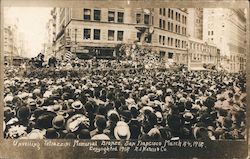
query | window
[138, 36]
[164, 11]
[120, 17]
[172, 14]
[182, 19]
[146, 19]
[97, 34]
[179, 29]
[152, 19]
[176, 42]
[168, 25]
[111, 35]
[170, 55]
[169, 11]
[172, 27]
[97, 15]
[208, 32]
[138, 18]
[160, 11]
[168, 41]
[164, 24]
[176, 16]
[120, 36]
[148, 38]
[111, 16]
[176, 28]
[212, 32]
[163, 40]
[87, 14]
[86, 33]
[172, 41]
[160, 23]
[160, 39]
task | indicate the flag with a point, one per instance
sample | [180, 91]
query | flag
[69, 55]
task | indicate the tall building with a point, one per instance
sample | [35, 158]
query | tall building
[195, 23]
[226, 28]
[201, 52]
[10, 43]
[100, 30]
[49, 39]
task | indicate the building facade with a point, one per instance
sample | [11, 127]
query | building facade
[227, 29]
[100, 30]
[10, 43]
[13, 41]
[195, 23]
[201, 52]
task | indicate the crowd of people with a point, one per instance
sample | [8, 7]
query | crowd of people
[144, 104]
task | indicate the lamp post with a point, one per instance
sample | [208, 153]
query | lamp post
[75, 39]
[188, 58]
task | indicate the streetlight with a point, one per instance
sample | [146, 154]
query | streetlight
[188, 56]
[75, 40]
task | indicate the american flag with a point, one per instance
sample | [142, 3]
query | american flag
[69, 55]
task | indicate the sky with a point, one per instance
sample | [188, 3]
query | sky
[32, 24]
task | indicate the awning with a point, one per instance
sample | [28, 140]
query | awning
[198, 69]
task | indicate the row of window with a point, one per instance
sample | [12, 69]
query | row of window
[112, 15]
[142, 18]
[198, 57]
[201, 47]
[178, 17]
[170, 42]
[178, 28]
[97, 34]
[236, 58]
[210, 32]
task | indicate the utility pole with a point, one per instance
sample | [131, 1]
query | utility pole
[75, 39]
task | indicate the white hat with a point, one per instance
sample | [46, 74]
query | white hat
[37, 91]
[47, 94]
[112, 112]
[16, 131]
[77, 105]
[153, 131]
[100, 137]
[36, 134]
[147, 108]
[145, 100]
[74, 122]
[159, 116]
[122, 131]
[133, 105]
[8, 99]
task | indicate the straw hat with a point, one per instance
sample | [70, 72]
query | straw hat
[122, 131]
[100, 137]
